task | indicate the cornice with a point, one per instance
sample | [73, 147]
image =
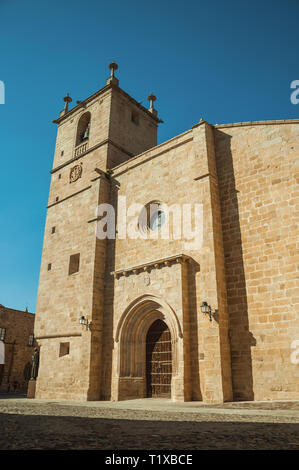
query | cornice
[257, 123]
[152, 153]
[155, 264]
[104, 142]
[68, 197]
[59, 335]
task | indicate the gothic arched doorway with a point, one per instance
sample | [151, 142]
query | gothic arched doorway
[129, 374]
[158, 360]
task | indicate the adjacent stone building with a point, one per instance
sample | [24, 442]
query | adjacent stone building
[16, 332]
[123, 317]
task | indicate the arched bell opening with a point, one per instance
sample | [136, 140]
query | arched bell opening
[83, 128]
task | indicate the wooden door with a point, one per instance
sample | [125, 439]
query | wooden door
[158, 360]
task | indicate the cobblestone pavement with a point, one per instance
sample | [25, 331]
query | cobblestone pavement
[145, 424]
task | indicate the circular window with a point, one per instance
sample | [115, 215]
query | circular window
[157, 220]
[151, 217]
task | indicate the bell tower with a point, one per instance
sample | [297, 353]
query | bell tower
[96, 135]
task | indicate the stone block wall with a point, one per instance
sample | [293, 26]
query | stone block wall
[78, 186]
[19, 326]
[257, 167]
[176, 172]
[244, 178]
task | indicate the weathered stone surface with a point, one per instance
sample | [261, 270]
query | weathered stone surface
[19, 327]
[244, 176]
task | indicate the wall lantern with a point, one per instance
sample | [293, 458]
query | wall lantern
[206, 309]
[84, 321]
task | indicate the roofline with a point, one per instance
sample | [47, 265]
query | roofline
[117, 169]
[257, 123]
[110, 86]
[2, 307]
[156, 147]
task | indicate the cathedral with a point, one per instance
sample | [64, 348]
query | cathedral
[168, 270]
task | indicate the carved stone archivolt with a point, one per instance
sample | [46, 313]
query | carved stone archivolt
[129, 373]
[76, 173]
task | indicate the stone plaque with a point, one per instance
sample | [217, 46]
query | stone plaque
[147, 279]
[76, 173]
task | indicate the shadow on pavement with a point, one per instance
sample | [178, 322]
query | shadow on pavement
[22, 432]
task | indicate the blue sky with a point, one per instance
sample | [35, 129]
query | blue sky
[222, 61]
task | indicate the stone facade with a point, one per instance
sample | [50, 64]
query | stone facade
[243, 177]
[19, 347]
[258, 175]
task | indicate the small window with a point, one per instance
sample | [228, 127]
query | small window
[64, 349]
[2, 334]
[31, 340]
[74, 263]
[135, 117]
[62, 152]
[27, 371]
[59, 176]
[57, 198]
[53, 229]
[49, 267]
